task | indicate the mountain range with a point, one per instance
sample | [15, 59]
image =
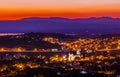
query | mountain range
[102, 25]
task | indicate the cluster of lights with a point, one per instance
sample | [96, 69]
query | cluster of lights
[94, 44]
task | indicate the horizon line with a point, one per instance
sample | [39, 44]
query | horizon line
[60, 17]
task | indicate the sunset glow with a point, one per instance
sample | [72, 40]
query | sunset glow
[16, 9]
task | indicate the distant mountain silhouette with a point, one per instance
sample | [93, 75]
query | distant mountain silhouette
[56, 24]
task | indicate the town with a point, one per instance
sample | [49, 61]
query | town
[65, 56]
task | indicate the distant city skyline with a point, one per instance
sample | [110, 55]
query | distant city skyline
[17, 9]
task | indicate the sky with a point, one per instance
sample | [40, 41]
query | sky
[17, 9]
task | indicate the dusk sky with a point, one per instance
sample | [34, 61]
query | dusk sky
[16, 9]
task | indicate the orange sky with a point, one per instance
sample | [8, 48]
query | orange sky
[16, 9]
